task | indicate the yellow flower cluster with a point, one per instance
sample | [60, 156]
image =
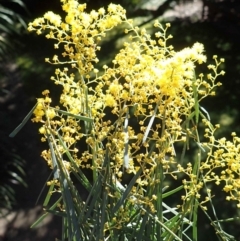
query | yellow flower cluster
[223, 163]
[80, 33]
[151, 91]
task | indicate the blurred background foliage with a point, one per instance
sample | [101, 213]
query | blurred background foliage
[24, 75]
[11, 164]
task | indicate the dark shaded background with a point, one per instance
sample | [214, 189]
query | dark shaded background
[25, 75]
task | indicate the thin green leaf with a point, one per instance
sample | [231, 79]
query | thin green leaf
[127, 191]
[52, 185]
[104, 203]
[93, 198]
[195, 95]
[227, 220]
[125, 154]
[78, 173]
[87, 111]
[169, 193]
[49, 195]
[45, 214]
[163, 225]
[19, 127]
[175, 213]
[195, 218]
[143, 224]
[67, 194]
[73, 229]
[150, 123]
[84, 118]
